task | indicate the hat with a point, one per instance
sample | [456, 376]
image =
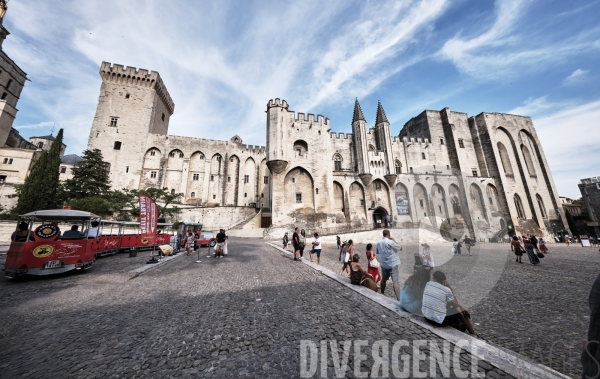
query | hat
[424, 245]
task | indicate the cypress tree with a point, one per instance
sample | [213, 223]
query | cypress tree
[40, 189]
[90, 177]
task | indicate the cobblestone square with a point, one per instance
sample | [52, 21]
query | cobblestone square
[245, 315]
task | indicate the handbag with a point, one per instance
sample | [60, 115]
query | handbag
[346, 257]
[374, 263]
[540, 255]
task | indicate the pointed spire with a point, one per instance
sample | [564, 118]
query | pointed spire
[381, 117]
[358, 115]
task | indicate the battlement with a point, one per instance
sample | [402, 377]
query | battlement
[117, 73]
[301, 117]
[256, 149]
[277, 103]
[414, 140]
[341, 135]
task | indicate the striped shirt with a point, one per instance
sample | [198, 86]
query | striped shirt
[435, 298]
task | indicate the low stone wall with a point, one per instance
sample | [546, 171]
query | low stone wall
[215, 218]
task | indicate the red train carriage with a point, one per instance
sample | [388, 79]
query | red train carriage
[39, 249]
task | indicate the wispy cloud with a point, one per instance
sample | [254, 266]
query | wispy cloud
[576, 76]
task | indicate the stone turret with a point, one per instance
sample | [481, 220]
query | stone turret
[276, 140]
[361, 144]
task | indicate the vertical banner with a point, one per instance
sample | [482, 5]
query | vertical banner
[148, 219]
[402, 206]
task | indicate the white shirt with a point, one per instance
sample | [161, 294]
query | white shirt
[317, 247]
[435, 298]
[93, 232]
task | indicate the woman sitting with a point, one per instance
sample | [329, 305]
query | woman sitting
[359, 276]
[411, 297]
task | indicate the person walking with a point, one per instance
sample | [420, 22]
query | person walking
[468, 242]
[566, 241]
[533, 258]
[388, 250]
[345, 259]
[296, 244]
[517, 248]
[338, 240]
[534, 242]
[373, 271]
[302, 238]
[219, 248]
[189, 242]
[316, 249]
[428, 256]
[456, 246]
[286, 240]
[225, 252]
[543, 247]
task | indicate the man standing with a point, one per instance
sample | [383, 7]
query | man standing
[189, 242]
[388, 250]
[468, 241]
[220, 244]
[296, 243]
[590, 357]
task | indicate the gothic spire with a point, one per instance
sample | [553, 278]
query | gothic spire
[358, 115]
[381, 117]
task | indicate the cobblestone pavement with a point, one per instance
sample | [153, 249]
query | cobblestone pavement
[242, 316]
[541, 312]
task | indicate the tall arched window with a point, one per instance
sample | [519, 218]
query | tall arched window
[337, 161]
[541, 206]
[528, 160]
[504, 157]
[456, 205]
[193, 195]
[519, 206]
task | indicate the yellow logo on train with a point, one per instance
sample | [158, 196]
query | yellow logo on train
[43, 251]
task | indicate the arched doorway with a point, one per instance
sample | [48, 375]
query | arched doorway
[379, 215]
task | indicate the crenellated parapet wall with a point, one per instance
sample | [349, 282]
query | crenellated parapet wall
[119, 74]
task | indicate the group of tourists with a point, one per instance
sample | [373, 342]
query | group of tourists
[457, 245]
[528, 245]
[299, 243]
[220, 250]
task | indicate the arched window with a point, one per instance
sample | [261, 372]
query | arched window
[337, 161]
[398, 166]
[541, 205]
[173, 191]
[40, 145]
[300, 147]
[193, 195]
[504, 157]
[456, 205]
[180, 155]
[528, 160]
[519, 206]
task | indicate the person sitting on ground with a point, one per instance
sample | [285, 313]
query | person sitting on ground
[411, 296]
[316, 249]
[20, 235]
[441, 308]
[220, 248]
[359, 276]
[94, 231]
[73, 233]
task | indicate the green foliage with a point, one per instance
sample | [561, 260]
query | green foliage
[90, 177]
[578, 201]
[161, 196]
[41, 188]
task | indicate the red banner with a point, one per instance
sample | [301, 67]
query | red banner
[148, 219]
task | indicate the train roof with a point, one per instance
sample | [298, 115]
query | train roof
[61, 214]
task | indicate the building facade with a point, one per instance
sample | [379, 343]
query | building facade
[486, 176]
[590, 193]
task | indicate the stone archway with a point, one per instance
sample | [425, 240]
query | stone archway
[379, 217]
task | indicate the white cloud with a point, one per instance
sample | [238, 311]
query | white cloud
[508, 48]
[573, 153]
[576, 76]
[539, 106]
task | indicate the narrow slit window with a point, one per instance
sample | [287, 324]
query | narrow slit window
[117, 145]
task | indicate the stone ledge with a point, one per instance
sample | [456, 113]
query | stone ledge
[506, 360]
[149, 267]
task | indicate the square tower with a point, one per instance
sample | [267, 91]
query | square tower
[132, 105]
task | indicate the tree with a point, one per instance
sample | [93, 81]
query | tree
[40, 189]
[90, 177]
[161, 196]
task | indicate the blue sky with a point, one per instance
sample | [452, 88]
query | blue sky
[222, 61]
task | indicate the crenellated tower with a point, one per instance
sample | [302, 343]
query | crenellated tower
[133, 104]
[276, 138]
